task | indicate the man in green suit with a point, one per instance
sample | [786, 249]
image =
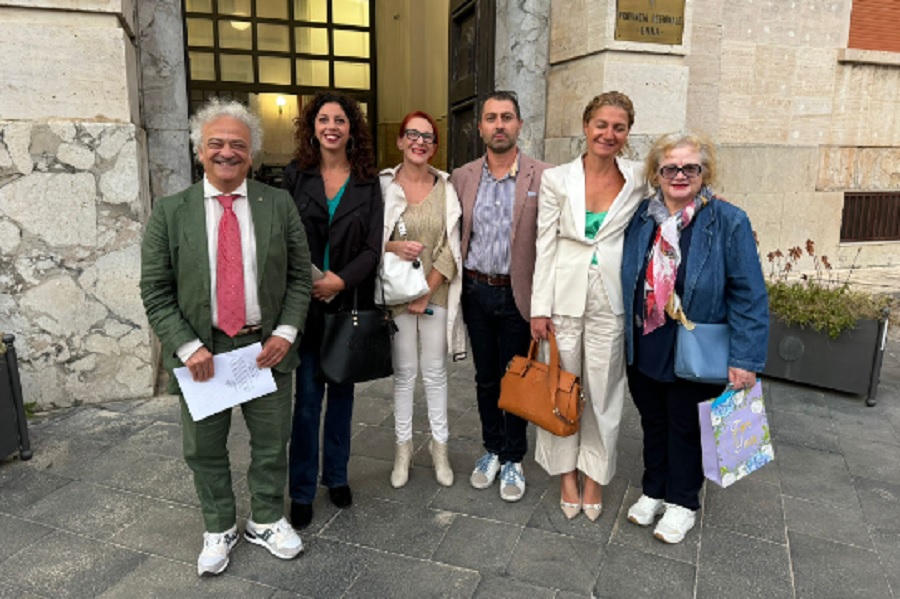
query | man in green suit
[225, 264]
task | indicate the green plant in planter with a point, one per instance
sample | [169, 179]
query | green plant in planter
[819, 300]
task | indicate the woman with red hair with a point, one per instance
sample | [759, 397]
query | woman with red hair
[421, 225]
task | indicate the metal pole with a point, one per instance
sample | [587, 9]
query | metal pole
[16, 386]
[883, 325]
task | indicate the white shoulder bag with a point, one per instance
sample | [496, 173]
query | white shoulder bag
[399, 281]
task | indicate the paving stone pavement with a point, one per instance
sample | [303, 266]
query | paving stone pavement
[106, 508]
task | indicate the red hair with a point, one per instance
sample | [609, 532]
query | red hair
[421, 115]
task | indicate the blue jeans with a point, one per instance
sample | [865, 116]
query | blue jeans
[304, 450]
[497, 332]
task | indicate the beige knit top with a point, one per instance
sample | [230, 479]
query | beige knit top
[426, 223]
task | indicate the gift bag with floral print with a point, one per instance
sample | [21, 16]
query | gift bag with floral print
[735, 435]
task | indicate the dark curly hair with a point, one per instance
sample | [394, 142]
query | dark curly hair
[359, 148]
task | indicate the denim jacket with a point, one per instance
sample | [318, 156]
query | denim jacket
[723, 279]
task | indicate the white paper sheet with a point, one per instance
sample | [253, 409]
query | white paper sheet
[237, 379]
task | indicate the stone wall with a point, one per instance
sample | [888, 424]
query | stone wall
[586, 60]
[73, 200]
[798, 117]
[71, 217]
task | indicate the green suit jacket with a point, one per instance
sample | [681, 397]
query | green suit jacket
[175, 278]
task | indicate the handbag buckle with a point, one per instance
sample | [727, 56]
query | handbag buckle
[559, 415]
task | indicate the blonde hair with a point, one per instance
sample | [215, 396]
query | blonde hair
[682, 139]
[614, 98]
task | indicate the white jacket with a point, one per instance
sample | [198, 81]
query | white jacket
[564, 253]
[394, 206]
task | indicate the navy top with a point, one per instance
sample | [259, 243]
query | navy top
[654, 354]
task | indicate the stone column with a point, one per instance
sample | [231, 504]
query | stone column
[521, 64]
[164, 92]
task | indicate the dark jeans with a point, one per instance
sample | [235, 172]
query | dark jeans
[673, 457]
[304, 450]
[497, 332]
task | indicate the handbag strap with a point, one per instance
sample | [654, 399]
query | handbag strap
[554, 369]
[401, 228]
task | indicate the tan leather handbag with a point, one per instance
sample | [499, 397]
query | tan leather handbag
[542, 393]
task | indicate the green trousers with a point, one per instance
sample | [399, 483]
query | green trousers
[268, 419]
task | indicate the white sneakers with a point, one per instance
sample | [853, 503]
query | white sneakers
[676, 522]
[645, 510]
[279, 538]
[485, 472]
[512, 478]
[217, 547]
[512, 482]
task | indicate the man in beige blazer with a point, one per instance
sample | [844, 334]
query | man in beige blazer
[499, 197]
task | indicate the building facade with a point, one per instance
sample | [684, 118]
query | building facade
[801, 98]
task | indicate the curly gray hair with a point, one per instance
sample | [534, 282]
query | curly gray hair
[217, 108]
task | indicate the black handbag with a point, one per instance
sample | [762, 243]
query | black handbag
[356, 345]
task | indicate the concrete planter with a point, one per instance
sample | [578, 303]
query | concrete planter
[850, 363]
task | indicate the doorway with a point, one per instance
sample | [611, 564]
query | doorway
[274, 55]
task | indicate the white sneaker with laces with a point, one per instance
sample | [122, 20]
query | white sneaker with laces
[645, 510]
[216, 548]
[279, 538]
[512, 482]
[675, 523]
[486, 469]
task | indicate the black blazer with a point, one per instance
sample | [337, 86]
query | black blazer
[354, 237]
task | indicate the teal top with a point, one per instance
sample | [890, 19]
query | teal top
[592, 222]
[332, 206]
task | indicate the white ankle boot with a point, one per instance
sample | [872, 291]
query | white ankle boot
[442, 471]
[402, 458]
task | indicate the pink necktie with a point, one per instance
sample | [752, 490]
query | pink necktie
[230, 271]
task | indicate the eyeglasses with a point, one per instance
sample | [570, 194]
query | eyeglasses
[415, 134]
[670, 171]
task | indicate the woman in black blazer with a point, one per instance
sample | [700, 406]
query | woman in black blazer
[335, 187]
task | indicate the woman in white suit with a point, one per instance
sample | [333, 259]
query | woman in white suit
[585, 206]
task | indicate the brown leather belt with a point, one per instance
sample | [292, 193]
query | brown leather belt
[492, 280]
[249, 329]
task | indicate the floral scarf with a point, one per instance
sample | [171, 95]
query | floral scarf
[665, 257]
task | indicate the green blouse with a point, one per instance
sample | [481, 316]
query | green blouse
[592, 223]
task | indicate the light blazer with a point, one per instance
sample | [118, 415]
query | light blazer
[394, 205]
[524, 222]
[175, 279]
[564, 253]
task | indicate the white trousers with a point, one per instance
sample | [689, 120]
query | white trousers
[429, 331]
[591, 346]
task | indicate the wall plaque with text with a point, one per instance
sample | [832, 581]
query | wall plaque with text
[650, 21]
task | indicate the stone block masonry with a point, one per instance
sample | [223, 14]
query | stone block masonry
[71, 216]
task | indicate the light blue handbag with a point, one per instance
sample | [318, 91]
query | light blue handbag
[701, 355]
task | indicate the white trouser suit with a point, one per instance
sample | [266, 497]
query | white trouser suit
[585, 303]
[591, 346]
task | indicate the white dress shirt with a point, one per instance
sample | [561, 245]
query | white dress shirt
[214, 212]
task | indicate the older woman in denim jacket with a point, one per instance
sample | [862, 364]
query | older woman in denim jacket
[687, 255]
